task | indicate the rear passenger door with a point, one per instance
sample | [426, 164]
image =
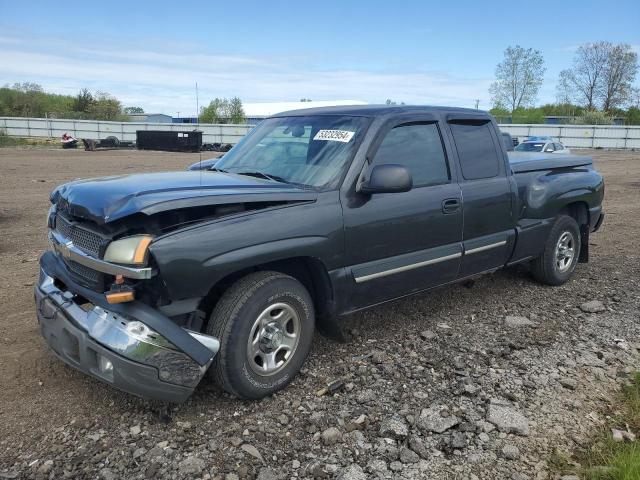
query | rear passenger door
[486, 194]
[399, 243]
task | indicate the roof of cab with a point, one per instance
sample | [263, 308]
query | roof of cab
[377, 110]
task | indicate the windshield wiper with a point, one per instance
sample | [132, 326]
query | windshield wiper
[275, 178]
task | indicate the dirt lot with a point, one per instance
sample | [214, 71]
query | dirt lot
[459, 349]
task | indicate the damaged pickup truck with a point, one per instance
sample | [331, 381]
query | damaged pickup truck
[156, 280]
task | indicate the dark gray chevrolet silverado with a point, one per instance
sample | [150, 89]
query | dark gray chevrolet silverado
[154, 280]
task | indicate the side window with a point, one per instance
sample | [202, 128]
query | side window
[418, 147]
[476, 150]
[558, 146]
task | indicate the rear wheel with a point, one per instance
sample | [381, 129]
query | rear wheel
[560, 255]
[265, 324]
[111, 141]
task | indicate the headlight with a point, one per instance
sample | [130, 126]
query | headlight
[130, 251]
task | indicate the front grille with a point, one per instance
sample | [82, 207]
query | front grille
[83, 238]
[85, 273]
[63, 227]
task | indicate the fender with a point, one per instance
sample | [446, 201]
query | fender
[191, 261]
[546, 194]
[543, 195]
[267, 252]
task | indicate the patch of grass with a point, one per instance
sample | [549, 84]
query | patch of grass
[605, 459]
[7, 141]
[560, 462]
[617, 461]
[632, 401]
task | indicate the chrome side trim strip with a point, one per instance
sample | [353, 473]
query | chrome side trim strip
[485, 247]
[64, 247]
[366, 278]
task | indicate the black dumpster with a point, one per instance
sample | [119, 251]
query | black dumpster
[190, 141]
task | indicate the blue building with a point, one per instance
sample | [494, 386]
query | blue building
[184, 120]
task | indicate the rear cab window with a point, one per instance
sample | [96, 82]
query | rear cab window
[476, 149]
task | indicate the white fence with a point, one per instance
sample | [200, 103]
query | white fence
[573, 136]
[581, 136]
[125, 131]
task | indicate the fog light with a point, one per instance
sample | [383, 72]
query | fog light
[105, 366]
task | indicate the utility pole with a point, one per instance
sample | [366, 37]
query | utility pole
[197, 105]
[477, 103]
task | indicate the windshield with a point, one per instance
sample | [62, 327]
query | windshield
[529, 147]
[311, 151]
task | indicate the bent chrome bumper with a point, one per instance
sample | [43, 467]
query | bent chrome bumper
[114, 348]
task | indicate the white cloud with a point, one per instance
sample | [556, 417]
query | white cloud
[164, 81]
[567, 49]
[10, 40]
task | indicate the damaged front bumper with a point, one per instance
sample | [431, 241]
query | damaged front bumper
[129, 346]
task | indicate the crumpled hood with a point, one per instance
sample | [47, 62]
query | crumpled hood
[107, 199]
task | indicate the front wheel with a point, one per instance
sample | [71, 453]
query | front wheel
[265, 324]
[560, 255]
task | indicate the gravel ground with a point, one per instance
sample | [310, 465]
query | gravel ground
[477, 381]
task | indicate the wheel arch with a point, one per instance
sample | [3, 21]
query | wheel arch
[579, 211]
[311, 272]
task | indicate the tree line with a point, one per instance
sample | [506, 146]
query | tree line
[597, 86]
[29, 99]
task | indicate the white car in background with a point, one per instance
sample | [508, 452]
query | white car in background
[546, 146]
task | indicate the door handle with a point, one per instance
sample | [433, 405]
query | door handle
[450, 205]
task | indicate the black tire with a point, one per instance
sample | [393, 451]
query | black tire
[233, 320]
[545, 268]
[112, 141]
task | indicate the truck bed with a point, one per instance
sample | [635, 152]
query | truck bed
[531, 162]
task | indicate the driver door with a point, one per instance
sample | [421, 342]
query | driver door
[399, 243]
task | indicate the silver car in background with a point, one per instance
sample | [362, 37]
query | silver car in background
[546, 146]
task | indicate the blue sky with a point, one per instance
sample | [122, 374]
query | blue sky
[152, 53]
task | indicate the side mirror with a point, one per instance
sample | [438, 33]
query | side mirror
[549, 150]
[389, 178]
